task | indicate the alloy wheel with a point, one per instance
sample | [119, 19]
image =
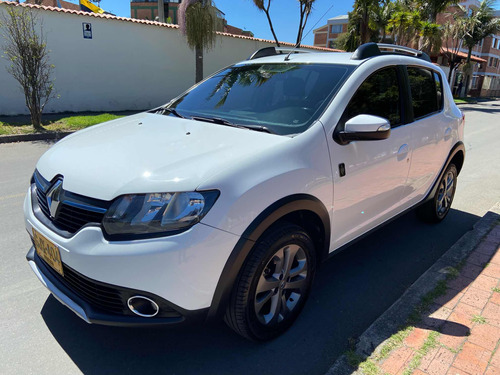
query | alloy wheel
[281, 285]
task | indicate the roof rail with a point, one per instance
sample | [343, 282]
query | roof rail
[273, 51]
[376, 49]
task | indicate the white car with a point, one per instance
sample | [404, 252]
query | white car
[224, 201]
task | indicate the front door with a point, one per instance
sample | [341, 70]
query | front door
[375, 171]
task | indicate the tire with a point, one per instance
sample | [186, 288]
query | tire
[263, 303]
[438, 207]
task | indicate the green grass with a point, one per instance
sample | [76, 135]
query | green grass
[395, 341]
[478, 319]
[497, 290]
[459, 101]
[68, 123]
[429, 343]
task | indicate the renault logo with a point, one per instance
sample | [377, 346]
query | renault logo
[54, 197]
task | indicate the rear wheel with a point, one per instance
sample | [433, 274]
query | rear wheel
[273, 284]
[438, 207]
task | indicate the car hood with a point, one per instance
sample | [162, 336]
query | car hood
[148, 153]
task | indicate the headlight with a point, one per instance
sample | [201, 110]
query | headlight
[153, 215]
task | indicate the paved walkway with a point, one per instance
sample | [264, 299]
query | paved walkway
[462, 334]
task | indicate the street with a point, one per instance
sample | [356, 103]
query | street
[40, 336]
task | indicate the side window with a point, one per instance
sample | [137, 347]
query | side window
[424, 95]
[439, 90]
[378, 96]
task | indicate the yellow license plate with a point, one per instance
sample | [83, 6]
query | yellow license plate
[47, 251]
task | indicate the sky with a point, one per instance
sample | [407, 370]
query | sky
[245, 15]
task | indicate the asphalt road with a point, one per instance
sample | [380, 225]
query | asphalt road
[40, 336]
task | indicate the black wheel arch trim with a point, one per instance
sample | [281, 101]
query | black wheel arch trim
[268, 217]
[459, 147]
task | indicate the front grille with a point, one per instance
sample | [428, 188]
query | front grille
[74, 211]
[71, 219]
[104, 297]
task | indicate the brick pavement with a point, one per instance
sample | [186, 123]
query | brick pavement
[461, 333]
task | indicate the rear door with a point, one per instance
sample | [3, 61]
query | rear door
[431, 131]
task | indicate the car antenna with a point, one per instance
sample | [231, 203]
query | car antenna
[287, 58]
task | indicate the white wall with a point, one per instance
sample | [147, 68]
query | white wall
[125, 66]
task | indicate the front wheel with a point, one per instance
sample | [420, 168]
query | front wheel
[438, 207]
[273, 284]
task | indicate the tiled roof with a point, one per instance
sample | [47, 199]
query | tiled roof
[147, 22]
[463, 55]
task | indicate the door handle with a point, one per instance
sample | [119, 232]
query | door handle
[403, 151]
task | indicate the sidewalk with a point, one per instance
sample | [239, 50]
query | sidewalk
[453, 329]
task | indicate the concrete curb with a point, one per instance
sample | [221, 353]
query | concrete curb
[34, 137]
[396, 315]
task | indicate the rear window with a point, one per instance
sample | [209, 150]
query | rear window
[426, 92]
[286, 98]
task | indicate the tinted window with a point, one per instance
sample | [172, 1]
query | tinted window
[379, 96]
[423, 92]
[439, 90]
[286, 98]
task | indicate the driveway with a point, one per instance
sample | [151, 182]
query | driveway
[352, 289]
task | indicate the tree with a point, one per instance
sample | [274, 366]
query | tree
[362, 9]
[161, 11]
[198, 22]
[431, 8]
[453, 34]
[431, 35]
[26, 49]
[380, 17]
[405, 27]
[263, 6]
[305, 10]
[479, 24]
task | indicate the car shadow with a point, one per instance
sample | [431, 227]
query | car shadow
[351, 290]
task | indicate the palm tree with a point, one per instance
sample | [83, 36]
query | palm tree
[161, 11]
[431, 35]
[404, 27]
[479, 24]
[198, 22]
[305, 10]
[362, 10]
[431, 8]
[453, 34]
[261, 4]
[381, 15]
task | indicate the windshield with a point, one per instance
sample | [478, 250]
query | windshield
[282, 98]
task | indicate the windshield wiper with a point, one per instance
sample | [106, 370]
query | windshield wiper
[259, 128]
[221, 121]
[162, 110]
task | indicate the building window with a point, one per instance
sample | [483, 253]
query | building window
[336, 29]
[493, 40]
[495, 63]
[474, 82]
[498, 43]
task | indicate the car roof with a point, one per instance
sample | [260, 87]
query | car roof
[312, 57]
[363, 53]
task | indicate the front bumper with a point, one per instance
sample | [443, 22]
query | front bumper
[181, 270]
[92, 314]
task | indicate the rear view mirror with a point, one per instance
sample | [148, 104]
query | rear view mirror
[365, 128]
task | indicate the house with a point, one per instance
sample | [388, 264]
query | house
[324, 36]
[148, 10]
[56, 4]
[485, 56]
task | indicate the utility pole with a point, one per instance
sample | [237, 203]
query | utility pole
[161, 11]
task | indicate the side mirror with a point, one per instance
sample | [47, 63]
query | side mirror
[365, 128]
